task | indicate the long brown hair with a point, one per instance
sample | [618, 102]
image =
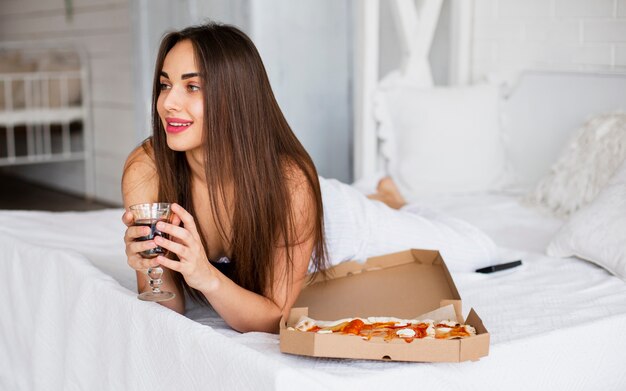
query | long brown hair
[247, 143]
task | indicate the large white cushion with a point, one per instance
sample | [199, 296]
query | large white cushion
[584, 167]
[442, 139]
[597, 232]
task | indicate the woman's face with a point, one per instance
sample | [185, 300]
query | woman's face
[180, 104]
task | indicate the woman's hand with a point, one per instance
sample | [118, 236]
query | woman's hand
[133, 248]
[194, 264]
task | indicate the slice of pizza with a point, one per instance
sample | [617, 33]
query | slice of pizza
[448, 329]
[388, 328]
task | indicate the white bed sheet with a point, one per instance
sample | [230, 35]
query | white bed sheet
[554, 323]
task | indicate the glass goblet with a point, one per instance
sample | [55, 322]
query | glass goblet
[148, 215]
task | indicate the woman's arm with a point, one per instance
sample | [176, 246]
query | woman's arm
[140, 185]
[242, 309]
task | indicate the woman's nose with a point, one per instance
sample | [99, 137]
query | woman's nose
[172, 101]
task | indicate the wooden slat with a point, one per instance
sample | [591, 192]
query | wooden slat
[60, 36]
[40, 116]
[111, 19]
[116, 68]
[366, 80]
[65, 139]
[118, 43]
[10, 143]
[25, 7]
[460, 42]
[107, 94]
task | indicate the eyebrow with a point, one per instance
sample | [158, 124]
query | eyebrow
[184, 76]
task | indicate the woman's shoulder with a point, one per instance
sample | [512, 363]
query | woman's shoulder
[140, 159]
[297, 180]
[139, 179]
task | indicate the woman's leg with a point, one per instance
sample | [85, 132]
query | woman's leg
[463, 246]
[388, 192]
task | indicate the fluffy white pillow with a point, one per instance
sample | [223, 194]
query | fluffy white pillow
[597, 232]
[442, 139]
[584, 167]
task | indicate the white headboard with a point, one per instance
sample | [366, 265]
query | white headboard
[545, 108]
[540, 112]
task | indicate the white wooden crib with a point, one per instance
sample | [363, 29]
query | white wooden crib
[45, 110]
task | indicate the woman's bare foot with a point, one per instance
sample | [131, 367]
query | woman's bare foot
[388, 192]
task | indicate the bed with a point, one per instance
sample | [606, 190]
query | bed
[45, 109]
[71, 319]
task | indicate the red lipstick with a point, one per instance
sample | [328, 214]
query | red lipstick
[177, 125]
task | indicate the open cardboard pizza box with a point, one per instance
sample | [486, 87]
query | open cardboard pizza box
[402, 285]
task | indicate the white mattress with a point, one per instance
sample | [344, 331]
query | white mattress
[554, 323]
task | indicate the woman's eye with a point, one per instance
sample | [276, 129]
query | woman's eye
[163, 86]
[193, 87]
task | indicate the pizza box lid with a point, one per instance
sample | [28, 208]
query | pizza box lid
[403, 285]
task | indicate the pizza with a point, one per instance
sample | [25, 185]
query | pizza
[388, 328]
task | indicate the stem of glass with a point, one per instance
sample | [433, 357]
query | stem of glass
[154, 274]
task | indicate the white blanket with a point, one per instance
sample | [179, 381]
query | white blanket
[67, 323]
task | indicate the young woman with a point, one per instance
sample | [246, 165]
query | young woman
[252, 218]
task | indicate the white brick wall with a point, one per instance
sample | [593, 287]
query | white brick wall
[510, 35]
[524, 9]
[584, 8]
[604, 30]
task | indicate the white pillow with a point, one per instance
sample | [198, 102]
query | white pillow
[584, 167]
[442, 139]
[597, 232]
